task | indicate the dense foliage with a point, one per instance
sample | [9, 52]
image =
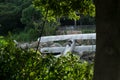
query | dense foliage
[10, 14]
[21, 16]
[17, 64]
[24, 21]
[60, 8]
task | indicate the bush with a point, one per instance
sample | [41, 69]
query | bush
[26, 35]
[88, 30]
[17, 64]
[32, 34]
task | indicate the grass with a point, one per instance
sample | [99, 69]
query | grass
[88, 30]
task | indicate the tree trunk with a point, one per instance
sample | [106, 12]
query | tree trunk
[107, 60]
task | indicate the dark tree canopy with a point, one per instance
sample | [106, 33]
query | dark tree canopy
[12, 13]
[16, 15]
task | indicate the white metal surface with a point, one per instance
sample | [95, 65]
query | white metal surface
[66, 37]
[70, 47]
[78, 49]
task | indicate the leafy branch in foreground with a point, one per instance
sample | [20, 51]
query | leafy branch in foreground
[17, 64]
[70, 8]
